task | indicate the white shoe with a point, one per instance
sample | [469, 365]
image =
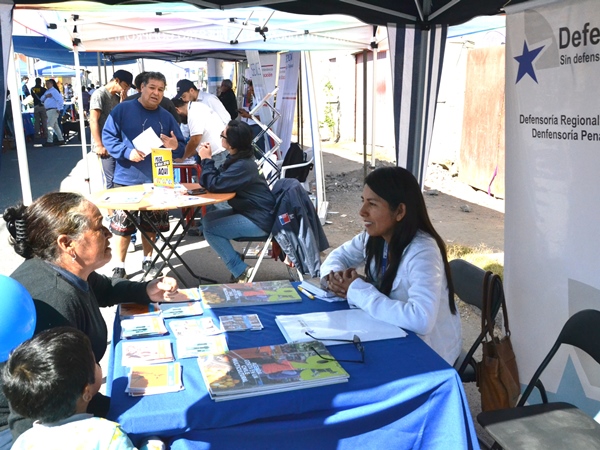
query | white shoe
[246, 275]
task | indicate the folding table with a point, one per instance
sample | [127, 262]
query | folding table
[116, 198]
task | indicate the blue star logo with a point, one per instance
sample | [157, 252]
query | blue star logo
[526, 62]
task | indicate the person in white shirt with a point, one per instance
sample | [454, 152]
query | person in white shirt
[53, 102]
[407, 280]
[187, 91]
[205, 126]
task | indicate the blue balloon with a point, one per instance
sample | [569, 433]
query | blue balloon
[17, 316]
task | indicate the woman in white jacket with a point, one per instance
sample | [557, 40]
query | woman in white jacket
[407, 279]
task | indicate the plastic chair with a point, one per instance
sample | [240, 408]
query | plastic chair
[468, 286]
[556, 425]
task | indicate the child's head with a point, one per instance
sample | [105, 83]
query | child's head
[52, 375]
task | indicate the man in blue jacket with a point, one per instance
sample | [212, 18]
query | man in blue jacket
[127, 121]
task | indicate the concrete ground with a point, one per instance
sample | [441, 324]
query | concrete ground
[62, 168]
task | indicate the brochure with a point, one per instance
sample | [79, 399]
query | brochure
[249, 294]
[343, 324]
[192, 347]
[268, 369]
[146, 352]
[241, 322]
[313, 286]
[170, 310]
[129, 310]
[142, 326]
[194, 327]
[155, 379]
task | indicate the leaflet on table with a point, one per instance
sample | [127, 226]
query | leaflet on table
[194, 346]
[241, 322]
[343, 324]
[142, 326]
[170, 310]
[313, 285]
[129, 310]
[146, 140]
[154, 379]
[146, 352]
[248, 294]
[123, 197]
[268, 369]
[194, 327]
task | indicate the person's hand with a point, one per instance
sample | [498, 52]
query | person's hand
[178, 160]
[169, 141]
[204, 151]
[101, 151]
[162, 289]
[136, 156]
[244, 113]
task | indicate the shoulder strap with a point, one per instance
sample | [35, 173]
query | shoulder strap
[492, 285]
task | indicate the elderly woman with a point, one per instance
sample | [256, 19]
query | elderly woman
[63, 241]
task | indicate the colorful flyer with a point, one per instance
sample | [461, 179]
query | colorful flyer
[162, 167]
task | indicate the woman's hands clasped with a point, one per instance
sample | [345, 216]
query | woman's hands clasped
[339, 282]
[162, 289]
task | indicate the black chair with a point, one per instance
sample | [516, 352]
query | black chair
[468, 286]
[556, 425]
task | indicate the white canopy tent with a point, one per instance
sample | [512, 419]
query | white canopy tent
[181, 30]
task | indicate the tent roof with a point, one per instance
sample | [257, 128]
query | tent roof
[375, 12]
[46, 49]
[183, 28]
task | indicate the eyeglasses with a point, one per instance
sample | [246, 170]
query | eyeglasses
[223, 136]
[355, 340]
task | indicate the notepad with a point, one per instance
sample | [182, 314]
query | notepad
[342, 324]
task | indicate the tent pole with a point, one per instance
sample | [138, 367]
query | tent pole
[373, 103]
[300, 117]
[99, 67]
[81, 117]
[365, 112]
[322, 203]
[18, 127]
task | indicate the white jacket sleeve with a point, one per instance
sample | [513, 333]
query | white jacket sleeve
[414, 301]
[350, 254]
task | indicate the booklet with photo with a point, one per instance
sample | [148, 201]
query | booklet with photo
[142, 326]
[194, 327]
[154, 379]
[241, 322]
[170, 310]
[249, 294]
[343, 324]
[186, 295]
[130, 310]
[192, 347]
[268, 369]
[146, 352]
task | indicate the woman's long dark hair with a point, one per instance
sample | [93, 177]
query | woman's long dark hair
[396, 186]
[239, 136]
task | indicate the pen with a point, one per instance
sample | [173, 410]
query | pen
[305, 292]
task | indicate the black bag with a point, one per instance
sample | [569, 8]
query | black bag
[295, 155]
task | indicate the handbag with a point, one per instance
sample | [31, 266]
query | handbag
[497, 373]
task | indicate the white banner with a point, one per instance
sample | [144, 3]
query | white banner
[258, 82]
[552, 247]
[286, 98]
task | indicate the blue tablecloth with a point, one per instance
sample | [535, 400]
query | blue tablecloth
[404, 397]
